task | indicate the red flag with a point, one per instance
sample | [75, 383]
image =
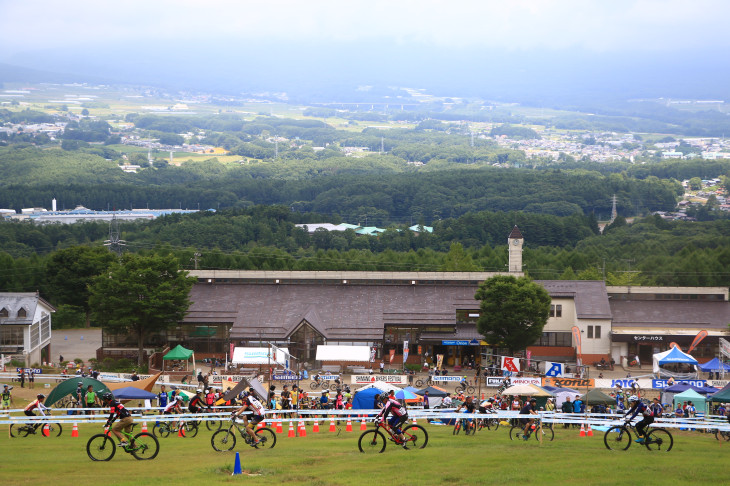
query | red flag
[698, 338]
[576, 337]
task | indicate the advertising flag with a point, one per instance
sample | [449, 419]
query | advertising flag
[576, 338]
[405, 351]
[698, 338]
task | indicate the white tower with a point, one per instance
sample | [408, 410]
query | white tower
[53, 205]
[515, 241]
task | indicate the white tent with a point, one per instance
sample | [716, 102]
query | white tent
[671, 356]
[258, 356]
[380, 385]
[358, 354]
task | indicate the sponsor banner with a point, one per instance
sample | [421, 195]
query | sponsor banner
[526, 381]
[128, 376]
[461, 342]
[577, 339]
[447, 378]
[510, 364]
[718, 383]
[372, 355]
[569, 382]
[108, 376]
[494, 381]
[392, 355]
[405, 351]
[439, 361]
[286, 377]
[554, 369]
[725, 347]
[36, 371]
[659, 384]
[329, 377]
[366, 379]
[700, 336]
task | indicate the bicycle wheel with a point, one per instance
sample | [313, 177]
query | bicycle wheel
[470, 390]
[617, 438]
[190, 430]
[146, 446]
[101, 447]
[224, 440]
[213, 424]
[371, 441]
[544, 433]
[416, 435]
[19, 430]
[469, 428]
[267, 438]
[162, 430]
[314, 386]
[517, 432]
[722, 435]
[457, 428]
[419, 383]
[53, 430]
[492, 424]
[659, 440]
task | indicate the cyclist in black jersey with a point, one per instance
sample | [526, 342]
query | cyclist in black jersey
[528, 409]
[469, 407]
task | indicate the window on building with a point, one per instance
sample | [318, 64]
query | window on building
[562, 339]
[556, 310]
[22, 312]
[590, 332]
[4, 312]
[594, 332]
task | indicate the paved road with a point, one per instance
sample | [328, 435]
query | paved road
[75, 343]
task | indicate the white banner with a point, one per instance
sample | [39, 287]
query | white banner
[510, 364]
[392, 379]
[446, 378]
[725, 347]
[718, 383]
[495, 381]
[526, 381]
[405, 351]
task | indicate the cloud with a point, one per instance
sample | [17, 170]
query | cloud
[599, 26]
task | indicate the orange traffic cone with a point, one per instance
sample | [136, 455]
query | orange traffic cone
[279, 428]
[75, 430]
[582, 431]
[332, 424]
[144, 426]
[363, 426]
[589, 432]
[349, 425]
[415, 422]
[181, 432]
[302, 429]
[315, 427]
[46, 431]
[291, 429]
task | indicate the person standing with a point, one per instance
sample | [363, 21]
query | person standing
[425, 400]
[31, 379]
[382, 366]
[79, 394]
[566, 407]
[91, 400]
[162, 398]
[22, 378]
[6, 398]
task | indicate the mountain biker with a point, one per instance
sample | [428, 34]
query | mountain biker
[196, 403]
[469, 406]
[648, 412]
[37, 403]
[400, 415]
[6, 398]
[118, 411]
[251, 403]
[528, 409]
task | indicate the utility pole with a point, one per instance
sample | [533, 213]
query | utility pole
[114, 243]
[196, 257]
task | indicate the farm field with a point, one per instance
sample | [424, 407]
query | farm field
[333, 459]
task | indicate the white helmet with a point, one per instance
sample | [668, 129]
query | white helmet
[179, 398]
[633, 398]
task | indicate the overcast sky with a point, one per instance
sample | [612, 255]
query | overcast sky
[599, 26]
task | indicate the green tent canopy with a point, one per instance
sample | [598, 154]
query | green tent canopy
[597, 397]
[690, 395]
[178, 352]
[68, 387]
[723, 395]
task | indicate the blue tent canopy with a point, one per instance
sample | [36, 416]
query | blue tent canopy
[682, 387]
[677, 356]
[365, 399]
[132, 393]
[714, 365]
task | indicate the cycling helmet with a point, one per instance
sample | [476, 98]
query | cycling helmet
[633, 398]
[198, 391]
[40, 395]
[179, 398]
[384, 397]
[107, 396]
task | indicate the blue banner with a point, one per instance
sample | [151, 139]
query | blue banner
[659, 384]
[454, 343]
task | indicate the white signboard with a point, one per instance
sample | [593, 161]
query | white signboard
[392, 379]
[526, 381]
[510, 364]
[725, 347]
[446, 378]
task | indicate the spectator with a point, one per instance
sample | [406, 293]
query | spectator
[425, 400]
[577, 405]
[135, 377]
[566, 407]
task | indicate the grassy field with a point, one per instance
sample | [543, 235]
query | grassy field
[333, 459]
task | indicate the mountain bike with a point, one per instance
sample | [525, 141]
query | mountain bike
[47, 429]
[182, 427]
[541, 432]
[618, 438]
[317, 384]
[225, 439]
[468, 425]
[143, 446]
[465, 388]
[488, 423]
[373, 441]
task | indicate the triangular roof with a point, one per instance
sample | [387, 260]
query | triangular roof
[178, 352]
[675, 355]
[597, 397]
[689, 394]
[311, 316]
[721, 396]
[515, 234]
[714, 365]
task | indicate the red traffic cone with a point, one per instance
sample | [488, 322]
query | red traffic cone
[302, 429]
[279, 428]
[315, 427]
[144, 426]
[46, 431]
[589, 432]
[363, 426]
[332, 424]
[291, 429]
[181, 432]
[582, 431]
[349, 425]
[75, 430]
[415, 422]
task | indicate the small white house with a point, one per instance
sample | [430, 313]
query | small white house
[25, 327]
